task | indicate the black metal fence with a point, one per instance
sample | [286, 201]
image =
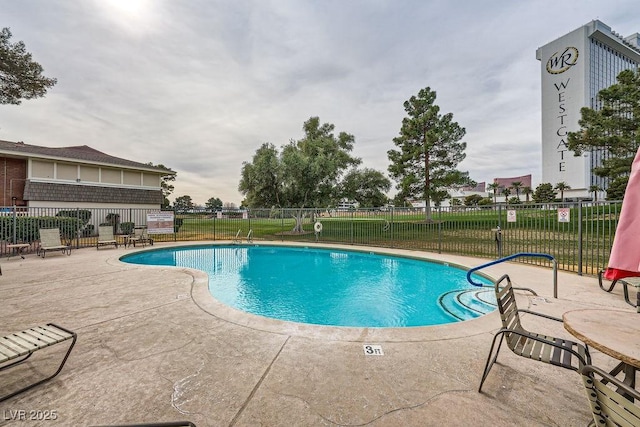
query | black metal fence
[579, 235]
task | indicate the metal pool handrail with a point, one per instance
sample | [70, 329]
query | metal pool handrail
[518, 255]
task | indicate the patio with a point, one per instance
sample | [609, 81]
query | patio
[153, 345]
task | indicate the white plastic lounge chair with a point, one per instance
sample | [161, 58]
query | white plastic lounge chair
[105, 236]
[50, 241]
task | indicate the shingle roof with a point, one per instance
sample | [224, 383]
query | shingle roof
[47, 191]
[80, 152]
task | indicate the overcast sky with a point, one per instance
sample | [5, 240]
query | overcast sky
[199, 85]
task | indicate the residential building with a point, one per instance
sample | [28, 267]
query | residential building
[574, 68]
[76, 177]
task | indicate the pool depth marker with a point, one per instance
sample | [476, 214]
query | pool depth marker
[373, 350]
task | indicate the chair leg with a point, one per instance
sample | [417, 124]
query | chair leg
[64, 360]
[613, 284]
[490, 362]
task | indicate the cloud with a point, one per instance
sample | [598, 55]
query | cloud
[198, 86]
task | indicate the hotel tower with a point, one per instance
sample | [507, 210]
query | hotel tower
[574, 68]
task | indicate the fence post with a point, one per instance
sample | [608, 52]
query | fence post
[393, 244]
[352, 219]
[14, 223]
[580, 246]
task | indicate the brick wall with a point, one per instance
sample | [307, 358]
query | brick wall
[13, 173]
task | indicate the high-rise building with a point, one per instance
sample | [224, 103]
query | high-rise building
[574, 68]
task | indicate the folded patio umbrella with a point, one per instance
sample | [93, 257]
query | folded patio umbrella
[625, 253]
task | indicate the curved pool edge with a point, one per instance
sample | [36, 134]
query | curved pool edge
[205, 301]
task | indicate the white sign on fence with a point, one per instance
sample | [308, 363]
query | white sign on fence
[160, 222]
[511, 216]
[564, 214]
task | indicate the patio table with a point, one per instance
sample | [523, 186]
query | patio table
[613, 332]
[18, 248]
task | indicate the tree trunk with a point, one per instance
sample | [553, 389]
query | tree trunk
[299, 217]
[427, 182]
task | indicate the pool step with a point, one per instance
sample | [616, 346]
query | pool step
[468, 304]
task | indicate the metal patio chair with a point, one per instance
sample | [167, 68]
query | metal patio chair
[556, 351]
[610, 406]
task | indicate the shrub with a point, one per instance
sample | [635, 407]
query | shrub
[112, 219]
[127, 227]
[84, 215]
[27, 227]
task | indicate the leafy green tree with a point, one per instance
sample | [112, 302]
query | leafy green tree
[614, 128]
[20, 76]
[366, 186]
[486, 201]
[261, 179]
[165, 183]
[472, 200]
[562, 187]
[429, 150]
[516, 186]
[438, 197]
[399, 200]
[544, 193]
[595, 189]
[527, 191]
[183, 203]
[514, 201]
[306, 173]
[494, 187]
[616, 189]
[213, 204]
[506, 192]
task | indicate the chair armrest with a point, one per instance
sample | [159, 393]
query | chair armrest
[557, 319]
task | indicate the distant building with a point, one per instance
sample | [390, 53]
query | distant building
[508, 182]
[574, 68]
[75, 177]
[480, 187]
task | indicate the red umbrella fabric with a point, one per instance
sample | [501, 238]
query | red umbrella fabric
[625, 253]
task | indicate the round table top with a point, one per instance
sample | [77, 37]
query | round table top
[613, 332]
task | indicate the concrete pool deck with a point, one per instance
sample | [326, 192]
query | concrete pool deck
[153, 345]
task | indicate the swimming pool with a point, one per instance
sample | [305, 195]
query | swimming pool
[329, 286]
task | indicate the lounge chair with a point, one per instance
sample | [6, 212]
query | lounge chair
[609, 406]
[17, 347]
[50, 241]
[105, 236]
[139, 236]
[626, 282]
[556, 351]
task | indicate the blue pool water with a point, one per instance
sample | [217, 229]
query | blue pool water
[329, 287]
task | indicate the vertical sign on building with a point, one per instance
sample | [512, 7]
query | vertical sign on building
[563, 95]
